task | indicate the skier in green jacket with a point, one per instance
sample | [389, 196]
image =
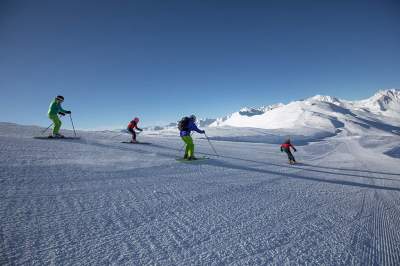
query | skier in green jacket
[55, 109]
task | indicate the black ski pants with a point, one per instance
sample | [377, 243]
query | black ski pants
[133, 133]
[289, 154]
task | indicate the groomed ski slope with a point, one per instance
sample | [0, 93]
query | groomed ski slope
[96, 201]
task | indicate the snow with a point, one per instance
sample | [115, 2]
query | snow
[325, 98]
[97, 201]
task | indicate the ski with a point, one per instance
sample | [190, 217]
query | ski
[52, 138]
[143, 143]
[199, 159]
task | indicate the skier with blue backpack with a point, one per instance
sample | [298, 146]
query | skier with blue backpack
[186, 125]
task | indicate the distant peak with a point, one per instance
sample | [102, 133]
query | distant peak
[324, 98]
[385, 95]
[258, 111]
[251, 111]
[383, 100]
[392, 93]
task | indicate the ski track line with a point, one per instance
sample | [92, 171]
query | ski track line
[105, 239]
[383, 242]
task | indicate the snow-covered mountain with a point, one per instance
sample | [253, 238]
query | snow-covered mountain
[324, 113]
[246, 112]
[385, 102]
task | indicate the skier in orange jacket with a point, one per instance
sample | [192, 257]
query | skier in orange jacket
[131, 128]
[285, 147]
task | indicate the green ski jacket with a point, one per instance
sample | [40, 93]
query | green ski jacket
[55, 108]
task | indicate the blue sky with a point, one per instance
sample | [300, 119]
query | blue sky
[160, 60]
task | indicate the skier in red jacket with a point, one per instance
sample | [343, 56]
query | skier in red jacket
[131, 128]
[285, 147]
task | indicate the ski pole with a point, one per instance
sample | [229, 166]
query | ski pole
[44, 131]
[212, 146]
[73, 127]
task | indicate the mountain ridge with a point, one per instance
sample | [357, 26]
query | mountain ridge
[322, 112]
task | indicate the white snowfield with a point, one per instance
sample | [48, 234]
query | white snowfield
[97, 201]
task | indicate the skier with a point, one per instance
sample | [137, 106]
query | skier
[185, 126]
[285, 147]
[55, 109]
[131, 128]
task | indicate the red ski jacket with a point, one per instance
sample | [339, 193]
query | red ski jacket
[132, 125]
[287, 145]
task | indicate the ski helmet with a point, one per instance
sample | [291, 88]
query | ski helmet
[60, 98]
[193, 117]
[136, 119]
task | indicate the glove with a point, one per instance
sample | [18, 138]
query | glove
[140, 129]
[204, 132]
[281, 149]
[294, 149]
[68, 112]
[60, 113]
